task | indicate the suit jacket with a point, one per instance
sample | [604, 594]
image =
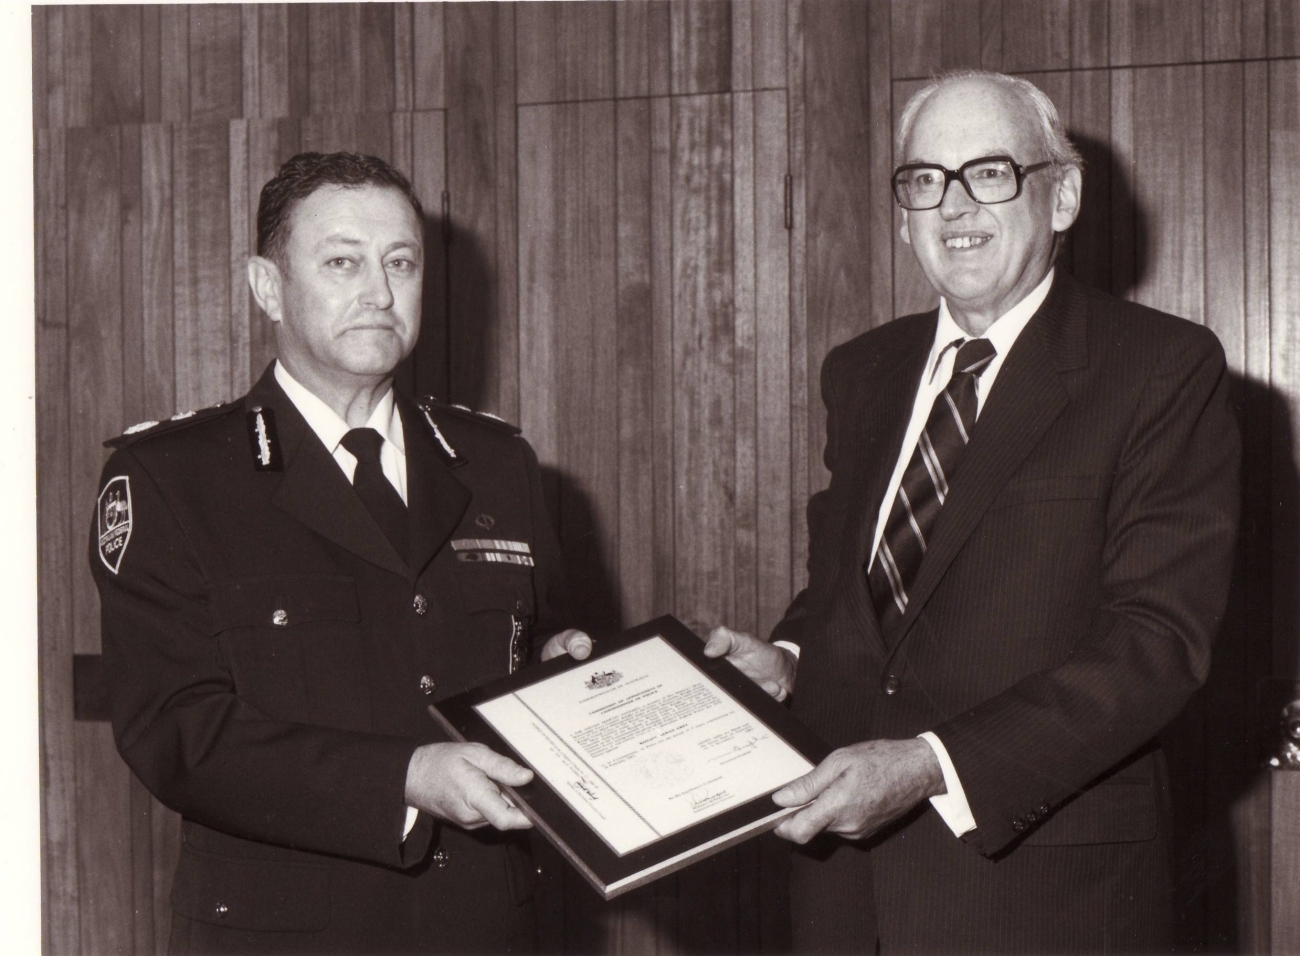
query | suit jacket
[1062, 616]
[271, 660]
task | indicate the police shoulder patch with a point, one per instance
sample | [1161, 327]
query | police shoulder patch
[114, 521]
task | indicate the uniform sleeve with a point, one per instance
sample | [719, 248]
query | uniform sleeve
[1171, 520]
[183, 729]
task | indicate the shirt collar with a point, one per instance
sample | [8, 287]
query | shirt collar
[1002, 333]
[327, 424]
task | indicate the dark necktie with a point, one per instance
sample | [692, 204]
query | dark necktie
[925, 483]
[375, 491]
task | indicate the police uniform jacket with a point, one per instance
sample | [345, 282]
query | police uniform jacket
[271, 660]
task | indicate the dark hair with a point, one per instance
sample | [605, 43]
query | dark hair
[304, 174]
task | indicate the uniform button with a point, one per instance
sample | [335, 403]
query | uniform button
[221, 909]
[891, 685]
[1044, 810]
[1018, 825]
[441, 858]
[280, 618]
[421, 604]
[1032, 816]
[427, 684]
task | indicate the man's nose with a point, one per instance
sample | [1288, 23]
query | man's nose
[956, 201]
[377, 294]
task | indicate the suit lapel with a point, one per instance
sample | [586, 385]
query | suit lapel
[1027, 397]
[882, 404]
[435, 498]
[314, 490]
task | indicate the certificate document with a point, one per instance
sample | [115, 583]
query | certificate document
[646, 756]
[643, 744]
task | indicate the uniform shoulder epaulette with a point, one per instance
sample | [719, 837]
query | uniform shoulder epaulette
[433, 406]
[180, 420]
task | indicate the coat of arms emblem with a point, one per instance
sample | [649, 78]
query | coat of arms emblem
[603, 679]
[114, 521]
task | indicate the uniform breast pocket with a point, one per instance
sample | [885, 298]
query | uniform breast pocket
[499, 602]
[278, 629]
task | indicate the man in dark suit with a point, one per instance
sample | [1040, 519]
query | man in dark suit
[289, 580]
[1015, 574]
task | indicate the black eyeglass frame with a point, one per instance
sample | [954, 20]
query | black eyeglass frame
[959, 175]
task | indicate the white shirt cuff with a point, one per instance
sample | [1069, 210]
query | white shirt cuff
[792, 648]
[952, 806]
[411, 814]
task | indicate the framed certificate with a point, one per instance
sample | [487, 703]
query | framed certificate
[646, 756]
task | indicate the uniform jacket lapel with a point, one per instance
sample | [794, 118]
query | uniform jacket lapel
[436, 499]
[1027, 397]
[314, 490]
[882, 402]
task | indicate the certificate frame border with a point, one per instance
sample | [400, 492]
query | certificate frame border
[609, 874]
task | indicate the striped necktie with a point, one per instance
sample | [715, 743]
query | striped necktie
[926, 482]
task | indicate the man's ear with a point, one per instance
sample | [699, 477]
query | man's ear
[266, 282]
[903, 230]
[1069, 195]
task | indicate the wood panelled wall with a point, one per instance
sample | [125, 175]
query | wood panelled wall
[649, 222]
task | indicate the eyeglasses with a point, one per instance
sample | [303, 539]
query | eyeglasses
[988, 180]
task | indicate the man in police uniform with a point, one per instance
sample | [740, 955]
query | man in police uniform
[290, 579]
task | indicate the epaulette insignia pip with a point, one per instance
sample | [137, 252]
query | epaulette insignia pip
[151, 428]
[461, 411]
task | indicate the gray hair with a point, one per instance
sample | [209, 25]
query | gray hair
[1056, 146]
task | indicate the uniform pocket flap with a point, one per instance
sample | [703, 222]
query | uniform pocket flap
[259, 895]
[1051, 488]
[1108, 813]
[495, 587]
[283, 600]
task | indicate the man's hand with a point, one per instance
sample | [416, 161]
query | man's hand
[574, 643]
[858, 789]
[771, 668]
[458, 782]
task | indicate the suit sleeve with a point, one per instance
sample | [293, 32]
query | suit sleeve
[194, 742]
[1171, 527]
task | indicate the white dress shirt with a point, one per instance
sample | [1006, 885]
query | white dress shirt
[953, 806]
[330, 429]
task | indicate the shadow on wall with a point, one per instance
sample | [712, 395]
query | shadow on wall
[1214, 747]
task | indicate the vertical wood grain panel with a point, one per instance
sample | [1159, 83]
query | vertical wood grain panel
[151, 63]
[642, 48]
[701, 46]
[283, 60]
[501, 381]
[78, 63]
[1089, 33]
[1222, 26]
[216, 62]
[742, 45]
[1167, 31]
[991, 34]
[1254, 27]
[804, 444]
[95, 377]
[916, 37]
[568, 343]
[1284, 325]
[912, 291]
[1124, 249]
[334, 57]
[1283, 18]
[769, 25]
[962, 47]
[57, 549]
[201, 263]
[40, 65]
[1086, 253]
[142, 875]
[565, 51]
[1120, 32]
[1167, 149]
[747, 397]
[636, 385]
[403, 57]
[703, 356]
[1035, 35]
[50, 61]
[377, 53]
[1286, 865]
[772, 345]
[132, 270]
[250, 52]
[370, 133]
[157, 369]
[428, 25]
[174, 81]
[662, 293]
[115, 69]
